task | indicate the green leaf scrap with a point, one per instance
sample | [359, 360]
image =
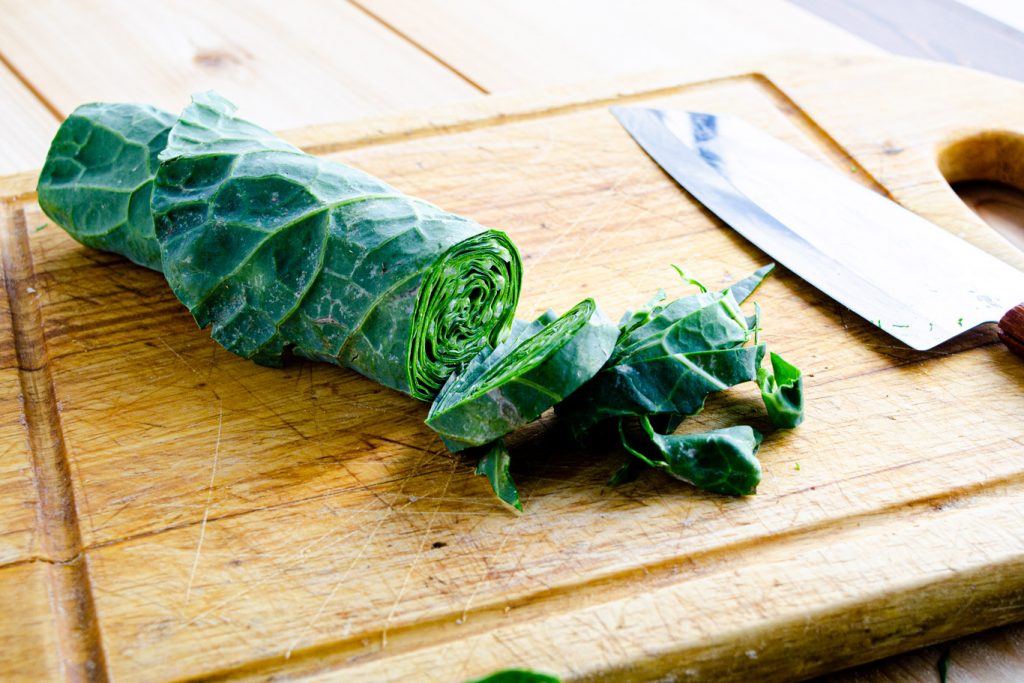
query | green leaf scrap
[720, 461]
[536, 367]
[495, 466]
[783, 392]
[516, 676]
[668, 361]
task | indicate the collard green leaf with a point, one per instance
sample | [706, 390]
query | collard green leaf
[495, 466]
[516, 676]
[783, 392]
[669, 363]
[720, 461]
[627, 472]
[744, 288]
[98, 177]
[535, 368]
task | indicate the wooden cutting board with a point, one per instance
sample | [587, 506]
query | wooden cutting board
[171, 511]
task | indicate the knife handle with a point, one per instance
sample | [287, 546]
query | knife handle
[1011, 329]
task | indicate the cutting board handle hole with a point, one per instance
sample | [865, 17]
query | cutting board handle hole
[986, 170]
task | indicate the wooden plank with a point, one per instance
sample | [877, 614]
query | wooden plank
[68, 588]
[316, 62]
[28, 633]
[944, 30]
[27, 124]
[1001, 206]
[419, 547]
[514, 44]
[311, 511]
[995, 656]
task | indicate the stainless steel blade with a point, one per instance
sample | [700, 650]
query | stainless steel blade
[909, 277]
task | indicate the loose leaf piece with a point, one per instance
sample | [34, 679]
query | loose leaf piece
[744, 288]
[275, 249]
[495, 466]
[667, 360]
[783, 392]
[720, 461]
[536, 367]
[516, 676]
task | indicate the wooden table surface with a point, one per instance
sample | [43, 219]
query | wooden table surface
[323, 61]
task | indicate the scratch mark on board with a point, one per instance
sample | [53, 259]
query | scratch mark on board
[348, 570]
[419, 556]
[206, 511]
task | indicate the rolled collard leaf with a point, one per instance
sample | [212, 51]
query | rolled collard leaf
[783, 392]
[536, 367]
[720, 461]
[98, 177]
[276, 249]
[667, 361]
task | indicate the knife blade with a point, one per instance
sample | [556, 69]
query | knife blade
[912, 279]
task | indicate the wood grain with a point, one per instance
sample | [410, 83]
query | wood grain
[944, 30]
[241, 522]
[995, 656]
[514, 44]
[74, 615]
[18, 540]
[28, 634]
[28, 126]
[317, 62]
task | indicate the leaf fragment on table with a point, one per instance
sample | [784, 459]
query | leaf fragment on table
[720, 461]
[537, 366]
[495, 466]
[516, 676]
[783, 392]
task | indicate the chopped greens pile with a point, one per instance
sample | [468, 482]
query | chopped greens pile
[279, 251]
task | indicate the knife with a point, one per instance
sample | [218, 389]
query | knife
[902, 273]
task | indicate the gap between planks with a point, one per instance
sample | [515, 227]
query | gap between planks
[81, 652]
[418, 45]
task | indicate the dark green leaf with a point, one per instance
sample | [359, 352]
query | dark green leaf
[745, 287]
[627, 472]
[720, 461]
[494, 465]
[516, 676]
[536, 367]
[98, 177]
[670, 363]
[783, 393]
